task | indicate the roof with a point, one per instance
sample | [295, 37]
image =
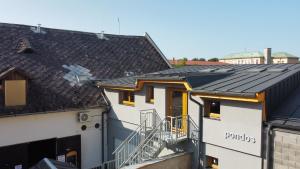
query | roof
[57, 56]
[242, 55]
[288, 113]
[51, 164]
[283, 55]
[197, 62]
[244, 80]
[257, 54]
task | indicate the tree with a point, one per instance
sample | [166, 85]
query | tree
[198, 59]
[213, 60]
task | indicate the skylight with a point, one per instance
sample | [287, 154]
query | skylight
[77, 75]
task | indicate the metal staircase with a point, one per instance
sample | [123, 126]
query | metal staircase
[149, 139]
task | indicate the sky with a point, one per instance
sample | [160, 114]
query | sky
[190, 28]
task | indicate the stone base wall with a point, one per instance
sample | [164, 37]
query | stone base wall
[285, 149]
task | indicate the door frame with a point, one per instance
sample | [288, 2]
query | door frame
[169, 102]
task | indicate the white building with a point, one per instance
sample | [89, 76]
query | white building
[216, 112]
[260, 58]
[48, 108]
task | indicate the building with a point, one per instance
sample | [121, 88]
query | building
[219, 113]
[259, 58]
[194, 62]
[48, 108]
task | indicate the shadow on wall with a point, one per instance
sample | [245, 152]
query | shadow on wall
[116, 132]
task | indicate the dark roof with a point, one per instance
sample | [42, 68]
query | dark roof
[289, 112]
[229, 79]
[49, 164]
[54, 53]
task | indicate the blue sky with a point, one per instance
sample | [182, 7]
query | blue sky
[196, 28]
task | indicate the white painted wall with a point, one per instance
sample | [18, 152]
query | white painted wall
[229, 159]
[22, 129]
[238, 118]
[131, 114]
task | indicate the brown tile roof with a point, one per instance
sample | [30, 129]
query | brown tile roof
[49, 89]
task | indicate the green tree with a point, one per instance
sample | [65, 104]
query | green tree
[213, 60]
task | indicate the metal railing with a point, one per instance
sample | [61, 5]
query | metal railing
[147, 141]
[148, 119]
[107, 165]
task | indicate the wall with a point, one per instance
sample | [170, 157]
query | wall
[285, 60]
[239, 127]
[286, 149]
[183, 161]
[244, 61]
[229, 159]
[22, 129]
[125, 119]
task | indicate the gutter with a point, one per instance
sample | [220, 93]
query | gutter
[200, 125]
[268, 144]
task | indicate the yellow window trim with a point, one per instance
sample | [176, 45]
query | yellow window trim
[140, 84]
[128, 103]
[214, 115]
[259, 97]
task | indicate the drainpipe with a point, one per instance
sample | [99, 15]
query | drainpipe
[268, 146]
[200, 125]
[108, 109]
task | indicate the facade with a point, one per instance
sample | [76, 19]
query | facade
[48, 107]
[217, 112]
[259, 58]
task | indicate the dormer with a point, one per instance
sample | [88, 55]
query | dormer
[13, 86]
[24, 46]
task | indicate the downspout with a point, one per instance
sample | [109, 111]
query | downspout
[200, 125]
[268, 145]
[108, 109]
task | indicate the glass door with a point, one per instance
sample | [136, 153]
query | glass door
[177, 107]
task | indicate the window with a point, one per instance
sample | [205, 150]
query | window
[212, 109]
[150, 94]
[15, 92]
[212, 163]
[127, 98]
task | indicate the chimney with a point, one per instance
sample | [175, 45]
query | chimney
[268, 55]
[38, 28]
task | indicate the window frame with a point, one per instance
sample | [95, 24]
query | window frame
[6, 93]
[150, 94]
[210, 162]
[207, 111]
[126, 98]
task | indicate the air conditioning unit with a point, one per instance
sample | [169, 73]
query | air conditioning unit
[84, 117]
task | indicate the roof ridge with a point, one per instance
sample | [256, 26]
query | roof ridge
[69, 30]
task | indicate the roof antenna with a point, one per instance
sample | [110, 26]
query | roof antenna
[119, 25]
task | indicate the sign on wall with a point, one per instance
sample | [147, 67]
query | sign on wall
[239, 137]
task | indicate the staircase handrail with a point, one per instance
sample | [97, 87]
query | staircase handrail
[147, 139]
[131, 135]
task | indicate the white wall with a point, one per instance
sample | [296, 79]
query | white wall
[131, 114]
[22, 129]
[237, 118]
[229, 159]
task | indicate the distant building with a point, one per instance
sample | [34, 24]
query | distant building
[259, 57]
[194, 62]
